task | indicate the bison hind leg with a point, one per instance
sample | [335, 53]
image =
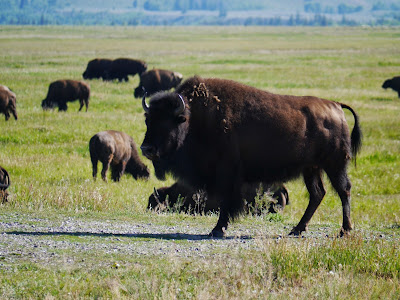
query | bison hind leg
[81, 104]
[316, 189]
[341, 183]
[106, 166]
[94, 167]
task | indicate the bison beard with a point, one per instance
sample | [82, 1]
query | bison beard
[219, 134]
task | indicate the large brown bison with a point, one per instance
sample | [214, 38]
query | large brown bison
[97, 68]
[4, 184]
[118, 150]
[219, 134]
[182, 198]
[157, 80]
[63, 91]
[393, 83]
[8, 102]
[122, 67]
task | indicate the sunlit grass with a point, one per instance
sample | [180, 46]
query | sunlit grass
[46, 154]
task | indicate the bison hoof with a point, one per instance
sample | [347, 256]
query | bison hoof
[296, 232]
[217, 233]
[343, 232]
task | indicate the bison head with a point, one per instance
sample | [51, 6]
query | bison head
[167, 126]
[387, 84]
[177, 79]
[47, 104]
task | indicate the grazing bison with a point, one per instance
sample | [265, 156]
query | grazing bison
[122, 67]
[8, 102]
[118, 150]
[97, 68]
[393, 83]
[219, 134]
[63, 91]
[183, 198]
[4, 184]
[157, 80]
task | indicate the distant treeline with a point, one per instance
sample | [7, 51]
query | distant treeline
[215, 12]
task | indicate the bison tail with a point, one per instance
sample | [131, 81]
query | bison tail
[356, 134]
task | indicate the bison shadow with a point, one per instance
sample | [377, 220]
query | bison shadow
[157, 236]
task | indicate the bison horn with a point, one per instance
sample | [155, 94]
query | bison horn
[156, 194]
[181, 107]
[144, 104]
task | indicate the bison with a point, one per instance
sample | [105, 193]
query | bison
[219, 134]
[118, 150]
[122, 67]
[182, 198]
[63, 91]
[8, 102]
[97, 68]
[157, 80]
[4, 184]
[393, 83]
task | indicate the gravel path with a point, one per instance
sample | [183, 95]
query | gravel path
[42, 240]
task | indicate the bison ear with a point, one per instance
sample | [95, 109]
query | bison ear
[181, 118]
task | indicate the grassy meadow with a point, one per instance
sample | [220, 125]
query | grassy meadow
[46, 154]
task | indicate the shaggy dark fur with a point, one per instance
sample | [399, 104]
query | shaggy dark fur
[229, 134]
[157, 80]
[63, 91]
[4, 184]
[8, 102]
[393, 83]
[122, 67]
[97, 68]
[118, 150]
[185, 199]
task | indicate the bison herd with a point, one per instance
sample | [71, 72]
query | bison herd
[226, 143]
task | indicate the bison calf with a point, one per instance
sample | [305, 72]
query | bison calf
[63, 91]
[157, 80]
[118, 150]
[8, 102]
[183, 198]
[4, 184]
[393, 83]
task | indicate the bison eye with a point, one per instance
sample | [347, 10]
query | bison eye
[181, 119]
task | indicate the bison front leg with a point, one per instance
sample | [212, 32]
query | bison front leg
[62, 106]
[227, 190]
[106, 166]
[117, 171]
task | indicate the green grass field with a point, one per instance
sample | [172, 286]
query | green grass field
[46, 154]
